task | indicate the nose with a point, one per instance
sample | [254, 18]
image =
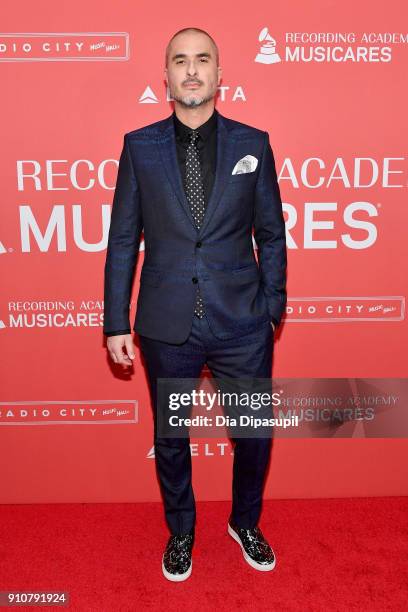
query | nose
[191, 69]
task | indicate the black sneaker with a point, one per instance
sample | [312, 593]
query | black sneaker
[255, 548]
[177, 562]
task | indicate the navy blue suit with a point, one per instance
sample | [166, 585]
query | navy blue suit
[234, 338]
[238, 295]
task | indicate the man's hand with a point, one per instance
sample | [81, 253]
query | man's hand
[115, 346]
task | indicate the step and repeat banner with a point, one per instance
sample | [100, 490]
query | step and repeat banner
[328, 81]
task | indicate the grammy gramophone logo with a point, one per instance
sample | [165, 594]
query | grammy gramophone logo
[267, 53]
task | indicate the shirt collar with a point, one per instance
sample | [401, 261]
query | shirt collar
[205, 129]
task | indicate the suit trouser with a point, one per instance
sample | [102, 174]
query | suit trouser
[250, 355]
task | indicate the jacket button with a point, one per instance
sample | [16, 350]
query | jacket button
[194, 279]
[199, 243]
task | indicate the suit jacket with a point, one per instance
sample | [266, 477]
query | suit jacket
[239, 295]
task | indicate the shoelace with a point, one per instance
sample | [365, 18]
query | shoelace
[254, 539]
[180, 541]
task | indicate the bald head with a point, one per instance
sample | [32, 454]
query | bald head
[198, 31]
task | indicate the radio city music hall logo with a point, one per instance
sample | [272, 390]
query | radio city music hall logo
[324, 309]
[95, 412]
[64, 46]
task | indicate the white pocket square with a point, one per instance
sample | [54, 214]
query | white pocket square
[245, 164]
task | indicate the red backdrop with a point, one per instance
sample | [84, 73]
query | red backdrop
[77, 76]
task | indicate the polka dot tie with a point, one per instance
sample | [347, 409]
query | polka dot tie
[196, 198]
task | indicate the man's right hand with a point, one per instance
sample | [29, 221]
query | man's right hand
[115, 346]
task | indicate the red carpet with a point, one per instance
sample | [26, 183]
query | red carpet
[333, 554]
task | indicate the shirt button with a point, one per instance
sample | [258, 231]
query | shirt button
[194, 279]
[199, 243]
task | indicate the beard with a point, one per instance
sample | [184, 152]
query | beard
[193, 100]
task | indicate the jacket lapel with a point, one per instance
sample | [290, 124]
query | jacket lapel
[225, 156]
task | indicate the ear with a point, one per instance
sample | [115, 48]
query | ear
[219, 74]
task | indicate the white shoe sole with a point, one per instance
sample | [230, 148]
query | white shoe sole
[177, 577]
[251, 562]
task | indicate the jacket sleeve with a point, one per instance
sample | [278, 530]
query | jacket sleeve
[269, 234]
[123, 246]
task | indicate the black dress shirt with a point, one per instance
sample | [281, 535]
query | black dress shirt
[207, 149]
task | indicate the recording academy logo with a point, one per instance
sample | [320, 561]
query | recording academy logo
[64, 46]
[267, 53]
[331, 47]
[53, 314]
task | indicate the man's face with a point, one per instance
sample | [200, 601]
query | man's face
[192, 75]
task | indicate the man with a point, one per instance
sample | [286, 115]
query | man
[197, 183]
